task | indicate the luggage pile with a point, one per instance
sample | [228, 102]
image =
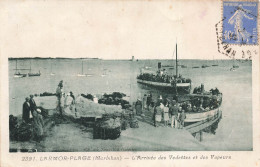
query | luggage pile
[134, 123]
[116, 98]
[47, 94]
[109, 127]
[128, 120]
[85, 108]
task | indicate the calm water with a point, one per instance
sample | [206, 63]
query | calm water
[234, 131]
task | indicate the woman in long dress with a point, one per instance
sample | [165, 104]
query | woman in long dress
[166, 114]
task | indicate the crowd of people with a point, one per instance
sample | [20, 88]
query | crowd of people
[162, 76]
[172, 112]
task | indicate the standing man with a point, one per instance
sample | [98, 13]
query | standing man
[33, 105]
[26, 110]
[149, 100]
[59, 95]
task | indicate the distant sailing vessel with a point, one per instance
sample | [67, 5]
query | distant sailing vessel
[214, 64]
[51, 71]
[164, 81]
[81, 75]
[234, 66]
[18, 74]
[30, 74]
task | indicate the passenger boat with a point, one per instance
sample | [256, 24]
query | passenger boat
[208, 105]
[175, 83]
[206, 114]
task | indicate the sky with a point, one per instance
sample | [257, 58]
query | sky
[110, 29]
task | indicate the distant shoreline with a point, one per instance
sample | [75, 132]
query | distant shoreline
[68, 58]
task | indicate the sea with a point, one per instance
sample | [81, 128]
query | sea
[234, 132]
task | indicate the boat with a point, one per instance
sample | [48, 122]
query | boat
[51, 71]
[205, 105]
[234, 64]
[81, 75]
[18, 74]
[205, 114]
[30, 74]
[204, 66]
[214, 65]
[175, 83]
[168, 66]
[195, 67]
[34, 74]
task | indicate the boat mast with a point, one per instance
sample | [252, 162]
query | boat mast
[30, 66]
[82, 68]
[16, 67]
[176, 62]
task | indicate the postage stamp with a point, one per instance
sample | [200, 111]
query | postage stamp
[240, 23]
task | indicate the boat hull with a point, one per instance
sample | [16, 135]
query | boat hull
[34, 75]
[19, 75]
[196, 117]
[183, 87]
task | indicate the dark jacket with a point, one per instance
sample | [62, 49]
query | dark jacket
[32, 105]
[26, 111]
[174, 110]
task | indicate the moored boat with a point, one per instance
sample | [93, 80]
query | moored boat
[30, 74]
[162, 80]
[18, 74]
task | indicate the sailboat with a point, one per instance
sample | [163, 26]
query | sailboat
[51, 71]
[214, 65]
[175, 83]
[18, 74]
[234, 64]
[30, 74]
[81, 75]
[205, 65]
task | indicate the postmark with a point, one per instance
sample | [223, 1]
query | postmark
[240, 22]
[239, 52]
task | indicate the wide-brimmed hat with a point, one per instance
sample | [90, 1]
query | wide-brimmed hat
[38, 110]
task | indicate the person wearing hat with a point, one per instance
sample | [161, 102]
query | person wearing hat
[59, 93]
[26, 110]
[158, 113]
[37, 125]
[138, 107]
[33, 105]
[174, 114]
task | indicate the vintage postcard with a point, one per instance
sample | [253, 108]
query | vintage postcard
[130, 83]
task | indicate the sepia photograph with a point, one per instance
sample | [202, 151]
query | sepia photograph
[129, 77]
